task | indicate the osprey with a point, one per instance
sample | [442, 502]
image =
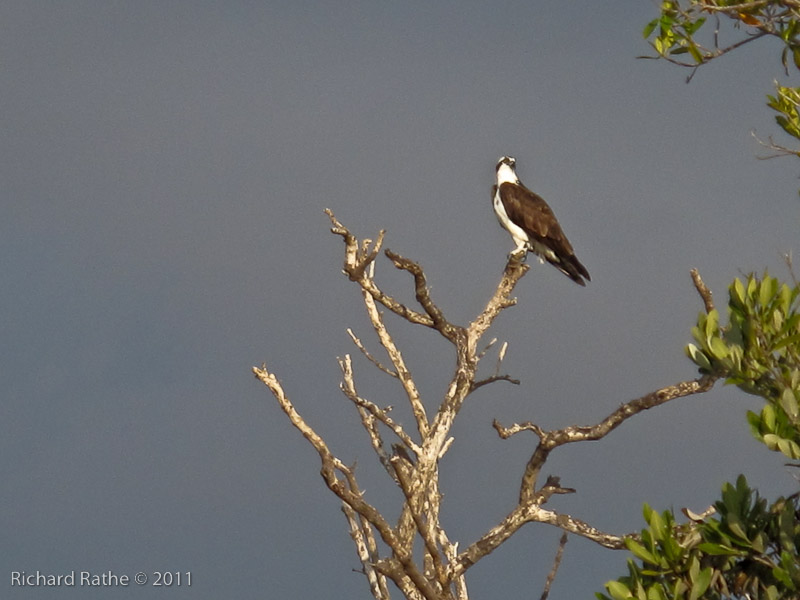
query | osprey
[532, 224]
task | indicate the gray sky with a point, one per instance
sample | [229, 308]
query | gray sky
[164, 170]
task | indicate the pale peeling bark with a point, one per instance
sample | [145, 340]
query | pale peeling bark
[415, 553]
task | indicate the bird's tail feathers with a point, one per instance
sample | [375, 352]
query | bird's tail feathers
[572, 268]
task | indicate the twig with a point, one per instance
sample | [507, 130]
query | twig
[779, 151]
[556, 563]
[349, 389]
[369, 356]
[507, 432]
[703, 290]
[492, 379]
[787, 259]
[483, 352]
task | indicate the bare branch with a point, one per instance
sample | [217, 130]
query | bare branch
[377, 582]
[777, 149]
[347, 490]
[500, 300]
[507, 432]
[414, 503]
[369, 356]
[551, 576]
[483, 352]
[423, 295]
[368, 419]
[519, 516]
[579, 527]
[497, 376]
[787, 258]
[551, 487]
[403, 374]
[548, 440]
[703, 290]
[492, 379]
[355, 267]
[437, 572]
[349, 493]
[451, 552]
[349, 389]
[500, 356]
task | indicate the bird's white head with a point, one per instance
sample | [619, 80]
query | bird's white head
[505, 170]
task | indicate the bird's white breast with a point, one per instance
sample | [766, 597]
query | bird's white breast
[517, 233]
[506, 174]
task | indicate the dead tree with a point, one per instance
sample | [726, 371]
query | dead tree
[414, 552]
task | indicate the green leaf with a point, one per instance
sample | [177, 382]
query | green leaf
[737, 292]
[788, 448]
[657, 526]
[640, 552]
[697, 356]
[618, 591]
[786, 526]
[692, 27]
[788, 403]
[767, 291]
[786, 298]
[712, 324]
[752, 286]
[718, 348]
[735, 526]
[718, 549]
[783, 577]
[700, 583]
[694, 568]
[656, 592]
[790, 340]
[769, 417]
[646, 510]
[777, 320]
[649, 28]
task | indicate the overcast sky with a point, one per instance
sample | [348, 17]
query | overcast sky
[165, 166]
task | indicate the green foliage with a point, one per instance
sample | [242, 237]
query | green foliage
[758, 351]
[673, 33]
[687, 33]
[785, 103]
[747, 549]
[679, 27]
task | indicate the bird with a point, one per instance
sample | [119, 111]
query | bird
[532, 224]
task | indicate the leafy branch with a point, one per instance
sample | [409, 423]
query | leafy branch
[687, 33]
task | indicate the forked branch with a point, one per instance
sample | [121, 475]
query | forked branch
[415, 553]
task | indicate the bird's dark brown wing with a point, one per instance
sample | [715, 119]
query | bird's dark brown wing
[530, 212]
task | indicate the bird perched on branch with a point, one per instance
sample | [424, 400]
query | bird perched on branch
[532, 224]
